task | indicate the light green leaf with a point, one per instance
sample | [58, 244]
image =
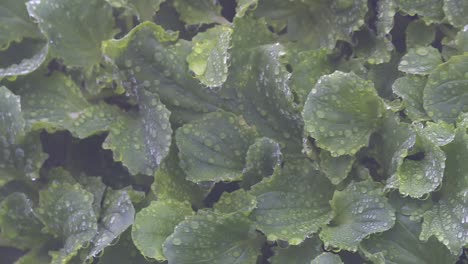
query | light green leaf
[421, 173]
[149, 58]
[448, 218]
[199, 12]
[236, 201]
[336, 168]
[58, 20]
[341, 112]
[209, 56]
[307, 67]
[386, 10]
[327, 258]
[15, 23]
[446, 91]
[420, 60]
[418, 34]
[117, 214]
[67, 212]
[456, 11]
[411, 88]
[439, 133]
[245, 5]
[170, 182]
[360, 210]
[262, 158]
[214, 239]
[155, 223]
[141, 140]
[430, 10]
[401, 245]
[303, 253]
[290, 211]
[27, 65]
[18, 223]
[213, 148]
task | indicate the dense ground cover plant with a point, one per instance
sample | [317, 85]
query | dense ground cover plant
[248, 131]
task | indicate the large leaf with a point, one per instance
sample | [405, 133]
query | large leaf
[78, 46]
[209, 56]
[401, 245]
[341, 112]
[419, 34]
[446, 91]
[18, 223]
[213, 148]
[155, 223]
[448, 220]
[66, 211]
[420, 60]
[214, 238]
[15, 23]
[411, 88]
[293, 203]
[359, 210]
[236, 201]
[456, 10]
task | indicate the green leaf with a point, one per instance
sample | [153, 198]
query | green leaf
[303, 253]
[422, 173]
[341, 112]
[411, 89]
[209, 56]
[26, 65]
[123, 252]
[213, 148]
[170, 182]
[290, 211]
[445, 94]
[336, 168]
[214, 238]
[67, 212]
[430, 10]
[439, 133]
[418, 34]
[420, 60]
[262, 158]
[447, 220]
[199, 12]
[155, 223]
[401, 245]
[58, 20]
[18, 223]
[236, 201]
[327, 258]
[359, 210]
[374, 49]
[456, 11]
[245, 5]
[149, 58]
[117, 214]
[15, 23]
[141, 140]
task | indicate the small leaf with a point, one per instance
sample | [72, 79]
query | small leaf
[341, 112]
[456, 11]
[66, 211]
[336, 168]
[411, 88]
[58, 19]
[155, 223]
[245, 5]
[290, 211]
[213, 148]
[445, 94]
[420, 60]
[303, 253]
[327, 258]
[419, 34]
[198, 12]
[360, 210]
[214, 238]
[209, 57]
[236, 201]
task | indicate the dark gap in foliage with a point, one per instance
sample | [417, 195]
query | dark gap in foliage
[55, 65]
[342, 50]
[10, 255]
[373, 167]
[398, 31]
[169, 19]
[416, 157]
[289, 68]
[371, 15]
[18, 51]
[218, 190]
[83, 156]
[443, 31]
[228, 10]
[122, 102]
[267, 252]
[350, 257]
